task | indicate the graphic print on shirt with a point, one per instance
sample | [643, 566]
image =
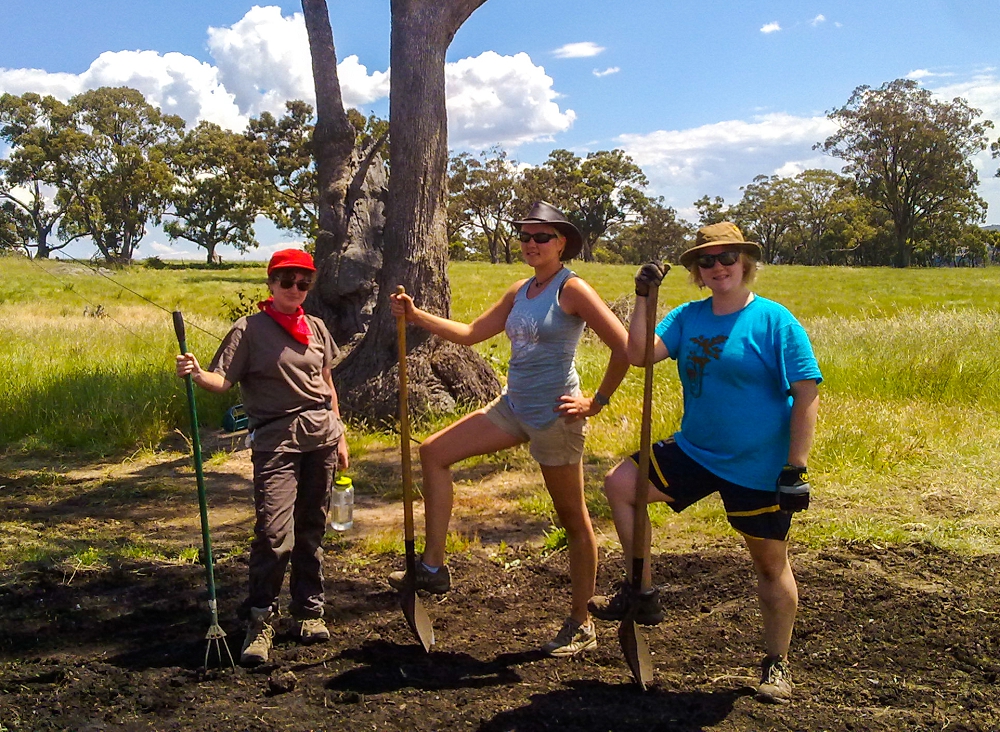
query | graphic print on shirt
[523, 334]
[704, 351]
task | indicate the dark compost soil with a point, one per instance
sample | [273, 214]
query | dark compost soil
[900, 639]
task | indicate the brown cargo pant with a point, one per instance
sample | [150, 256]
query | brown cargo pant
[290, 493]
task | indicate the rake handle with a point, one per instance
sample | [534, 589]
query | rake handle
[206, 537]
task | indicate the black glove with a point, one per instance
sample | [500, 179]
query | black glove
[651, 273]
[793, 488]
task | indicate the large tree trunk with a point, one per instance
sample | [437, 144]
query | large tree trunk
[333, 137]
[352, 193]
[416, 244]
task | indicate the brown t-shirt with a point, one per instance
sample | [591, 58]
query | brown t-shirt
[284, 391]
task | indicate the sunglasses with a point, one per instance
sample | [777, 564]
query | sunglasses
[287, 281]
[541, 237]
[707, 261]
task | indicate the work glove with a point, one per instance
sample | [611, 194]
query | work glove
[651, 273]
[793, 488]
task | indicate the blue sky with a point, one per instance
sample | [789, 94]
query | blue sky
[703, 96]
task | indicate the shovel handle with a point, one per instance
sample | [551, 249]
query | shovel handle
[404, 427]
[642, 478]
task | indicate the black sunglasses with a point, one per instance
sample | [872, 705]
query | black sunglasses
[541, 237]
[287, 281]
[707, 261]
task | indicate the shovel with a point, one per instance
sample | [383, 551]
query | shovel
[216, 636]
[632, 642]
[413, 610]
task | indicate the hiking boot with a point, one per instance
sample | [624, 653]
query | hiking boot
[436, 583]
[313, 630]
[259, 637]
[571, 639]
[775, 681]
[647, 611]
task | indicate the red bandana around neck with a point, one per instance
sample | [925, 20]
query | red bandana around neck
[296, 323]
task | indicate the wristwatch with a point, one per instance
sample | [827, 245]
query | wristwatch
[601, 399]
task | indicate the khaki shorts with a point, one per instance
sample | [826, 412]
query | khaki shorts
[561, 443]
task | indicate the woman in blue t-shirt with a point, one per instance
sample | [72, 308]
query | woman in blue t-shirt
[750, 401]
[542, 405]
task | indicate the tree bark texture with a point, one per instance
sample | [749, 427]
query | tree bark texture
[443, 374]
[333, 136]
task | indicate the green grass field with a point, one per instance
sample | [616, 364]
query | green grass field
[909, 418]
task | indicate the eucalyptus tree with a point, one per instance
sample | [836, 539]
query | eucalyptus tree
[827, 215]
[765, 213]
[219, 189]
[16, 229]
[911, 155]
[711, 210]
[656, 234]
[34, 128]
[112, 171]
[415, 241]
[597, 193]
[482, 199]
[288, 169]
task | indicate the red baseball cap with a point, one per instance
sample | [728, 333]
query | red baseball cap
[291, 259]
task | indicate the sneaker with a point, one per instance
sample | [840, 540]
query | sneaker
[775, 681]
[260, 635]
[437, 583]
[313, 630]
[571, 639]
[647, 612]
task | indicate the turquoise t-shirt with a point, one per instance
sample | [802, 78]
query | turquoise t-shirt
[736, 371]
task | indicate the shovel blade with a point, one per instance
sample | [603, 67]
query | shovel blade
[636, 652]
[417, 619]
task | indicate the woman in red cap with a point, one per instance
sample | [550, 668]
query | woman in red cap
[281, 358]
[544, 316]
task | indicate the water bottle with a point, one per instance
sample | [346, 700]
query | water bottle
[342, 504]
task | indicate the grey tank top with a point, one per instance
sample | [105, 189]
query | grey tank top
[543, 343]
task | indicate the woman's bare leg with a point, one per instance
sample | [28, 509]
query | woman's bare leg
[565, 485]
[473, 434]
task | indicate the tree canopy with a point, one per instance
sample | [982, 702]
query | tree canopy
[910, 155]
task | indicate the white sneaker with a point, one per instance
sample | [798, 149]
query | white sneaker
[571, 639]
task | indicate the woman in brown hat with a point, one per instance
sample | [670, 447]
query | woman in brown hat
[750, 401]
[282, 358]
[544, 316]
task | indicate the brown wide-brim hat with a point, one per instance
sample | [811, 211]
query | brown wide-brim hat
[545, 213]
[715, 235]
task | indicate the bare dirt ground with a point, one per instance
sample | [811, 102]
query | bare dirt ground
[901, 638]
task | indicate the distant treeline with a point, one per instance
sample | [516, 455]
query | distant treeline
[106, 164]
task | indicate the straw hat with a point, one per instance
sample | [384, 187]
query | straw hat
[723, 233]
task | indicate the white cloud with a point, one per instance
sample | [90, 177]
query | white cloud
[261, 62]
[20, 81]
[607, 72]
[176, 83]
[981, 90]
[501, 99]
[770, 27]
[263, 59]
[578, 50]
[716, 159]
[817, 20]
[357, 87]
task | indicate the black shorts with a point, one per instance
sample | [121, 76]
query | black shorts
[751, 512]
